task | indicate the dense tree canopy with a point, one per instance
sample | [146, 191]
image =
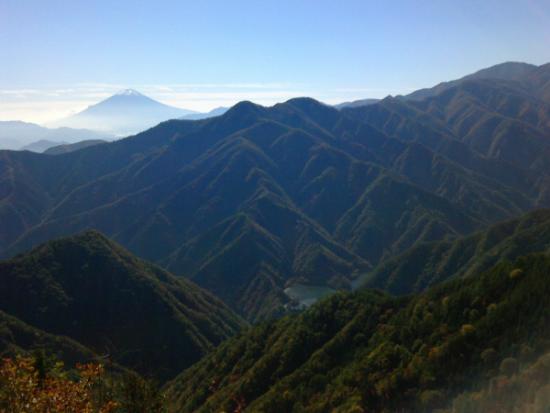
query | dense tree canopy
[367, 351]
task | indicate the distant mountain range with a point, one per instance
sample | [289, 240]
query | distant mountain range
[71, 147]
[41, 145]
[125, 113]
[18, 135]
[356, 103]
[214, 112]
[257, 200]
[56, 148]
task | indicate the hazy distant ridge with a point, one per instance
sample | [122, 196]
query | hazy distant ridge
[17, 135]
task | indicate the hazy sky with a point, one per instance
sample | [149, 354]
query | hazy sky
[57, 57]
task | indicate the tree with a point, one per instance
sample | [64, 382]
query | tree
[137, 395]
[24, 388]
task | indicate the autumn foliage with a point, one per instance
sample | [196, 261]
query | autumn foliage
[26, 389]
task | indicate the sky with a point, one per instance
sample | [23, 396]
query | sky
[58, 56]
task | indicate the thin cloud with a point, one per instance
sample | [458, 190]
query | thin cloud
[44, 105]
[374, 90]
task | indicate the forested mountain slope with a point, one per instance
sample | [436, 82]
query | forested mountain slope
[428, 263]
[370, 352]
[94, 292]
[259, 199]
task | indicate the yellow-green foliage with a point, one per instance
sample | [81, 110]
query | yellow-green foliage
[467, 329]
[26, 389]
[516, 273]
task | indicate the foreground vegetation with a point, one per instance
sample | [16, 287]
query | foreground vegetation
[28, 387]
[41, 384]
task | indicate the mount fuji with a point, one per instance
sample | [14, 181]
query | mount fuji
[125, 113]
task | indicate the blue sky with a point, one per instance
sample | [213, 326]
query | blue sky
[60, 56]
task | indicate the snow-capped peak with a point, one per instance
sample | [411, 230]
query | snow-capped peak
[128, 92]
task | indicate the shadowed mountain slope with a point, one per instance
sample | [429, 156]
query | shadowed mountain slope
[95, 292]
[17, 337]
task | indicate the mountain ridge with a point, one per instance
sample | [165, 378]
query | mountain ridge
[509, 71]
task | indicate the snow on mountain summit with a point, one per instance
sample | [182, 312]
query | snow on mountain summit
[128, 92]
